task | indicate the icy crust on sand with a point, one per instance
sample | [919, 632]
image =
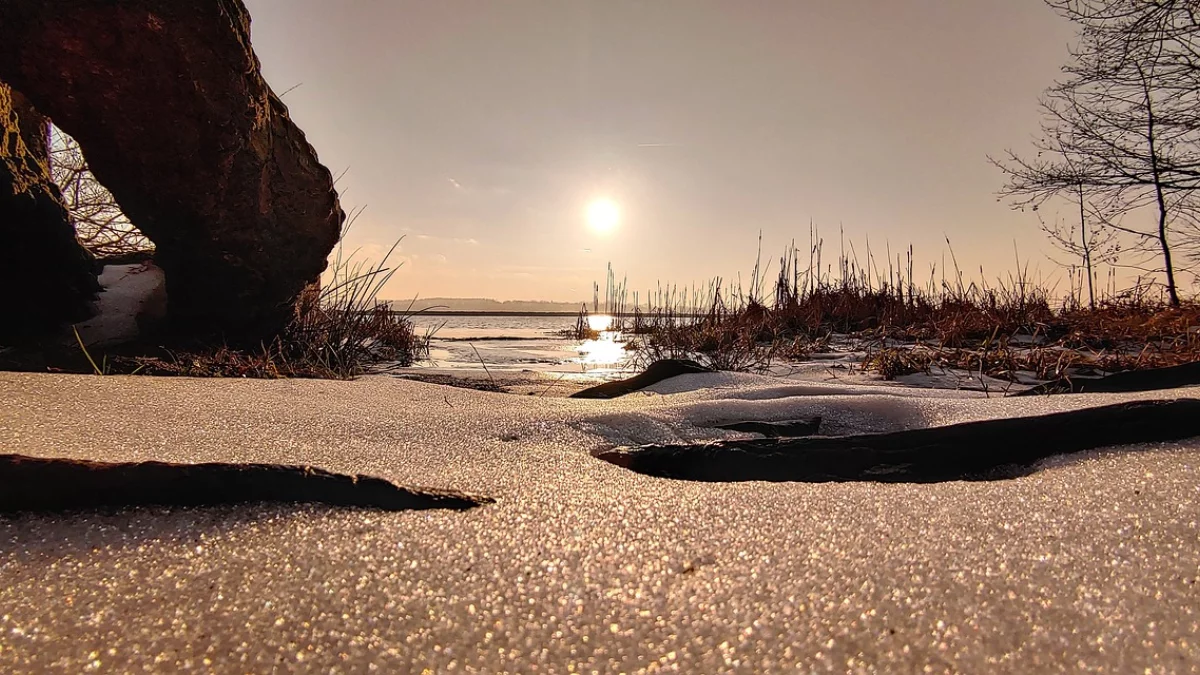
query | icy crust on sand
[697, 403]
[1090, 564]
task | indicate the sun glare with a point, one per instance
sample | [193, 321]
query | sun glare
[603, 215]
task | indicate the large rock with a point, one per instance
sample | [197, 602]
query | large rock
[46, 278]
[168, 103]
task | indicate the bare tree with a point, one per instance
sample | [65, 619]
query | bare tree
[99, 223]
[1122, 130]
[1089, 241]
[1123, 29]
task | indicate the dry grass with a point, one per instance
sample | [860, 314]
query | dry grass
[1000, 330]
[324, 343]
[339, 331]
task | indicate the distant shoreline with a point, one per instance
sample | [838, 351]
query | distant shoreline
[451, 312]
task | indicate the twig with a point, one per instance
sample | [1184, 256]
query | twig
[485, 368]
[85, 352]
[556, 381]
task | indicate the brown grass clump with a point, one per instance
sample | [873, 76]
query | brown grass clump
[891, 362]
[999, 330]
[325, 344]
[339, 331]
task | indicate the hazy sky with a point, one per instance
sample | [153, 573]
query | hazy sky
[482, 130]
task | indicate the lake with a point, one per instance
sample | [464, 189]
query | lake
[521, 344]
[531, 347]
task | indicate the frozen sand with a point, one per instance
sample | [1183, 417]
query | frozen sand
[1091, 563]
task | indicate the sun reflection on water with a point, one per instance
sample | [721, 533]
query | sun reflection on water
[600, 321]
[608, 349]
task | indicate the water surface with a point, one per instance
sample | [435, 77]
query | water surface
[534, 345]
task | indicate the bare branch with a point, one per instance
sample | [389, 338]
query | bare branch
[1121, 132]
[99, 223]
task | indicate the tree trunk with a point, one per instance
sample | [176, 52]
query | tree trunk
[1159, 195]
[1172, 291]
[1087, 251]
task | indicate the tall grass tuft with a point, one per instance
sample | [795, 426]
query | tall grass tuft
[340, 330]
[346, 329]
[996, 329]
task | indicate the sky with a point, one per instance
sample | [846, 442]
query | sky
[485, 132]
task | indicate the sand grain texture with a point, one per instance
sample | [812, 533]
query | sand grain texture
[1090, 563]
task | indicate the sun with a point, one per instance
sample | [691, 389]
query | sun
[603, 215]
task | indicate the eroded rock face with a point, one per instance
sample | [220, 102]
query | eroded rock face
[46, 278]
[168, 102]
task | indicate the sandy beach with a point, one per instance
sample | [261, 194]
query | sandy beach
[581, 566]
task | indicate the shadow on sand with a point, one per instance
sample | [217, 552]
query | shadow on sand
[34, 484]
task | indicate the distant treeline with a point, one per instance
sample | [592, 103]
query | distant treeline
[487, 305]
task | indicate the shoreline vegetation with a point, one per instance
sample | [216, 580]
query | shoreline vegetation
[1013, 330]
[339, 330]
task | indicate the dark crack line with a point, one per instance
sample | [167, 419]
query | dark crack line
[34, 484]
[781, 429]
[1129, 381]
[987, 450]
